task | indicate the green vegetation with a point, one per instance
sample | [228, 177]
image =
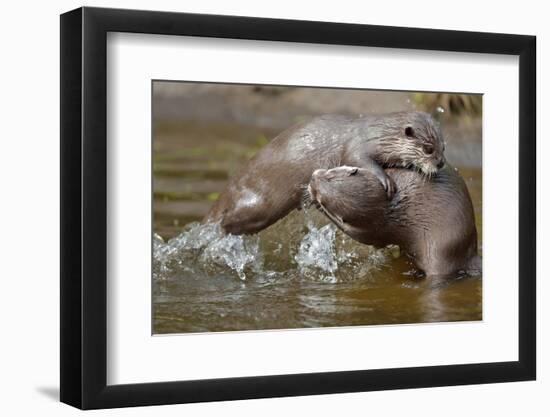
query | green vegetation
[469, 105]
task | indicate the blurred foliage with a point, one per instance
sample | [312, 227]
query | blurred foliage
[213, 196]
[453, 104]
[262, 140]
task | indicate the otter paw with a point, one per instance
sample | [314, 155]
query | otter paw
[389, 186]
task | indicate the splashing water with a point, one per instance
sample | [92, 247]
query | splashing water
[300, 272]
[317, 252]
[205, 245]
[236, 252]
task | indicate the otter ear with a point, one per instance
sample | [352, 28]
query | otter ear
[353, 171]
[409, 131]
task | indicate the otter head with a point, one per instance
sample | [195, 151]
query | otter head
[351, 197]
[410, 140]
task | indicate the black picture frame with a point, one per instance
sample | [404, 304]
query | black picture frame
[84, 207]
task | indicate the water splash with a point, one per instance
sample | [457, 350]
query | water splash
[235, 252]
[317, 252]
[325, 254]
[206, 247]
[301, 246]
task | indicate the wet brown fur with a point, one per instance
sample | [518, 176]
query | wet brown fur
[273, 182]
[432, 220]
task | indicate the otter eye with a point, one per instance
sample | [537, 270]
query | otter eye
[353, 171]
[428, 149]
[409, 131]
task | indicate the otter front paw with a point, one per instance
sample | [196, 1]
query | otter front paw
[388, 184]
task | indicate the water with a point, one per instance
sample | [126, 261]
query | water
[301, 272]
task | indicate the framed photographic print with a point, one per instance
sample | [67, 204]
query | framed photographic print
[257, 208]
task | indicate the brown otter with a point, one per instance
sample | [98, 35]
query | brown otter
[432, 220]
[273, 182]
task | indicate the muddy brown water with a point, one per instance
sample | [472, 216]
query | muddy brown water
[301, 272]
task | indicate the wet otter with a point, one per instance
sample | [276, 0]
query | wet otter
[273, 182]
[431, 220]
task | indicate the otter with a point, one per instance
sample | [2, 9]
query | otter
[272, 184]
[432, 220]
